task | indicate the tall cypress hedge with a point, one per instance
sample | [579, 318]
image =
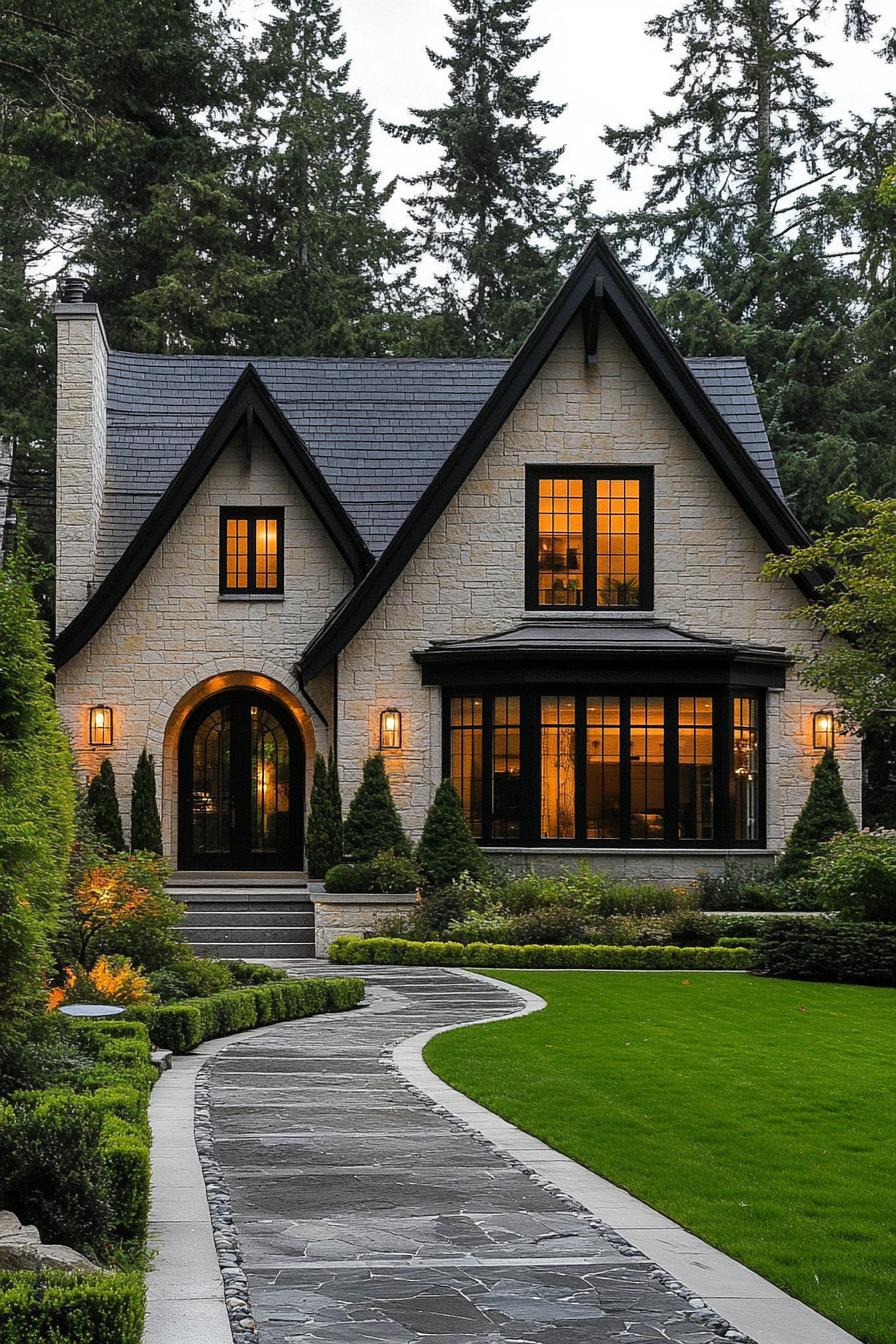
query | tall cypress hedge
[102, 802]
[373, 823]
[146, 827]
[37, 802]
[825, 813]
[323, 842]
[447, 848]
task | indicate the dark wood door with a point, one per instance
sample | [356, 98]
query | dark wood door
[241, 770]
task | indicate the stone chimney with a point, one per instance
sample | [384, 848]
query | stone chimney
[81, 371]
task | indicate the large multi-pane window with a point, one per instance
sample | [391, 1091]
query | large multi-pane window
[251, 551]
[589, 538]
[571, 767]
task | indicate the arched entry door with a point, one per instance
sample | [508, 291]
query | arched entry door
[241, 772]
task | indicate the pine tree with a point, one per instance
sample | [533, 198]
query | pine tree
[825, 813]
[754, 226]
[373, 823]
[312, 202]
[494, 213]
[146, 828]
[102, 800]
[447, 848]
[323, 844]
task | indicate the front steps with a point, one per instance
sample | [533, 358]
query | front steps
[246, 914]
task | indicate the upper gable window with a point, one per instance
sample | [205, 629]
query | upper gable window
[252, 551]
[589, 538]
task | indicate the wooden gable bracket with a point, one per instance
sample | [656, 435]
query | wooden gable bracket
[591, 318]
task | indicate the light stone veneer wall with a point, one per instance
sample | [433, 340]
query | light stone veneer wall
[467, 579]
[172, 631]
[82, 356]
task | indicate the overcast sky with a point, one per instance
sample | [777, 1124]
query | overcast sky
[599, 62]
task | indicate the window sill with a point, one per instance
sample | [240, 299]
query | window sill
[641, 851]
[589, 614]
[251, 597]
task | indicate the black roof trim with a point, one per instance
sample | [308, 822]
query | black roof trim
[627, 307]
[249, 402]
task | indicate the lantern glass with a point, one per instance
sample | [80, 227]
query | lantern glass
[390, 729]
[823, 729]
[100, 726]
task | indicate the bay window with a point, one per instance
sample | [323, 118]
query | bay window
[567, 768]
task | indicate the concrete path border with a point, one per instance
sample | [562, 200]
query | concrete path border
[184, 1287]
[752, 1304]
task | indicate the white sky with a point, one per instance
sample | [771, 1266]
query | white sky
[599, 62]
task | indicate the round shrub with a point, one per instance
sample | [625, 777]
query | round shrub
[854, 874]
[550, 924]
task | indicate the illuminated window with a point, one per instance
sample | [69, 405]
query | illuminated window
[558, 767]
[647, 738]
[466, 757]
[251, 551]
[695, 792]
[505, 818]
[745, 753]
[589, 538]
[603, 761]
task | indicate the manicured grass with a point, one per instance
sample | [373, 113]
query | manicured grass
[758, 1113]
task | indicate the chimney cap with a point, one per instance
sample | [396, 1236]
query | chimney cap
[74, 289]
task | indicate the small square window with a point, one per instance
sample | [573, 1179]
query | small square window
[251, 551]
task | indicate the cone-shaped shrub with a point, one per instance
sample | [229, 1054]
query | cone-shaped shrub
[373, 823]
[102, 800]
[446, 847]
[825, 813]
[323, 843]
[146, 828]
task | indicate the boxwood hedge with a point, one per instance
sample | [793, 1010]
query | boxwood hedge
[402, 952]
[828, 949]
[54, 1307]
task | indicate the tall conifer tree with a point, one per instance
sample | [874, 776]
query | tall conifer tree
[495, 213]
[753, 227]
[313, 204]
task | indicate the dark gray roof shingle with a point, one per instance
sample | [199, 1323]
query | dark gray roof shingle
[379, 429]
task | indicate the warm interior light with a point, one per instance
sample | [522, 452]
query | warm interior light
[390, 729]
[823, 726]
[101, 726]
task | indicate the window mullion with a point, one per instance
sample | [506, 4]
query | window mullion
[580, 768]
[625, 768]
[488, 763]
[670, 768]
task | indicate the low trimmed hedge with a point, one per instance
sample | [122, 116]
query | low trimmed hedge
[182, 1026]
[350, 951]
[54, 1307]
[828, 949]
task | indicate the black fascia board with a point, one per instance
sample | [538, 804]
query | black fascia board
[652, 344]
[734, 667]
[249, 396]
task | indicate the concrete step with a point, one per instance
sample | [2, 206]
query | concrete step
[239, 951]
[208, 916]
[223, 933]
[240, 897]
[230, 878]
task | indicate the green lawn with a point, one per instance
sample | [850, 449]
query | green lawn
[758, 1113]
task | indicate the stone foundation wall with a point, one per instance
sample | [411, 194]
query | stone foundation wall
[337, 914]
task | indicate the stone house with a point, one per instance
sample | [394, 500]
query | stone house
[538, 576]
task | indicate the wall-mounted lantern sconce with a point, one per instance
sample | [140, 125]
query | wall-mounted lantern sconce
[823, 728]
[390, 729]
[100, 726]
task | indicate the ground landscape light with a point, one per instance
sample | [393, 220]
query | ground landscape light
[390, 729]
[100, 726]
[823, 729]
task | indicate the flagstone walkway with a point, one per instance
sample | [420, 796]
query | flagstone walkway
[364, 1214]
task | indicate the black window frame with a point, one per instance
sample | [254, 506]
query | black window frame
[530, 764]
[250, 516]
[589, 477]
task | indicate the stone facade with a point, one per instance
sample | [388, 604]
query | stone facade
[173, 639]
[467, 579]
[338, 915]
[82, 354]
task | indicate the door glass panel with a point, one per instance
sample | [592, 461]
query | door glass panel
[269, 757]
[211, 801]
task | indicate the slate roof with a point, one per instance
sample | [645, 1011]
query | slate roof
[591, 636]
[378, 429]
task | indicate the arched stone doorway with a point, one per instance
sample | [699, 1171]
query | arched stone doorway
[235, 782]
